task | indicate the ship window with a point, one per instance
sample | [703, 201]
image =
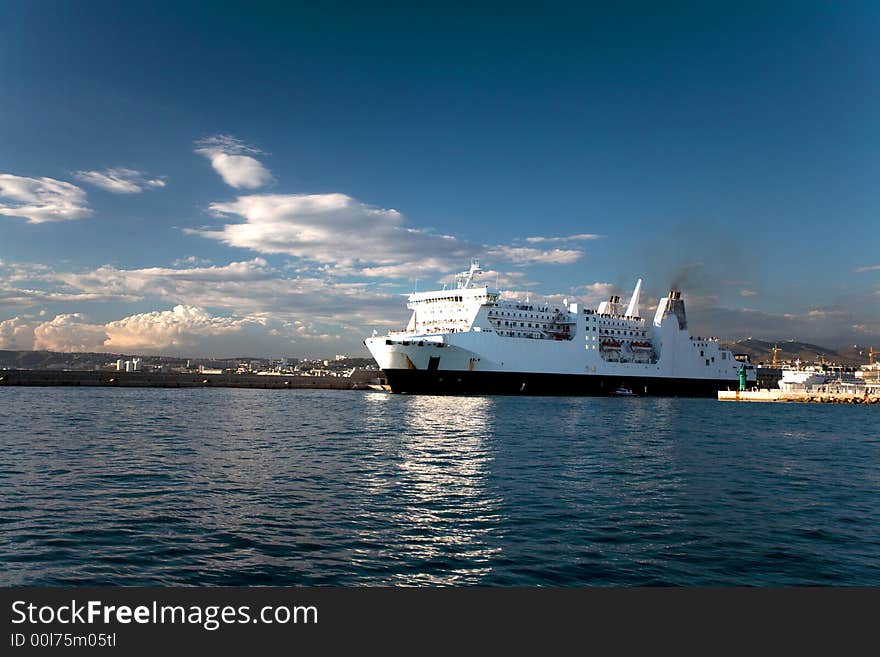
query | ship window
[707, 362]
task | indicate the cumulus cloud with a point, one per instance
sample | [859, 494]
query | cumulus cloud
[180, 327]
[41, 200]
[179, 330]
[570, 238]
[120, 180]
[16, 334]
[71, 332]
[234, 161]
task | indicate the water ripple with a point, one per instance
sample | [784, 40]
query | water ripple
[254, 487]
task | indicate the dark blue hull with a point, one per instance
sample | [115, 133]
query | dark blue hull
[440, 382]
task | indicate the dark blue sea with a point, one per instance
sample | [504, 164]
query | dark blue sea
[261, 487]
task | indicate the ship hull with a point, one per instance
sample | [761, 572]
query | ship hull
[454, 382]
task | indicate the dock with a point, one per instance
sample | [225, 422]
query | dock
[765, 395]
[360, 380]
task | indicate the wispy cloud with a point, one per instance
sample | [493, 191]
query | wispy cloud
[747, 293]
[868, 268]
[337, 230]
[581, 237]
[234, 161]
[41, 200]
[524, 255]
[242, 288]
[120, 180]
[354, 238]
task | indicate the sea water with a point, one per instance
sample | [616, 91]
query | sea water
[304, 487]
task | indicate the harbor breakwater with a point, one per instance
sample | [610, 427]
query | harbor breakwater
[765, 395]
[359, 380]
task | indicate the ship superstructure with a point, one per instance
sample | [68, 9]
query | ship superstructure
[468, 339]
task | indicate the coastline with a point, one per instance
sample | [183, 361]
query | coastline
[360, 380]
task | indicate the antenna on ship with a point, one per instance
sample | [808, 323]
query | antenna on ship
[775, 350]
[464, 279]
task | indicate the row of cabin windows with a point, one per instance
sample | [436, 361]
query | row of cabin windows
[511, 314]
[617, 332]
[459, 299]
[542, 326]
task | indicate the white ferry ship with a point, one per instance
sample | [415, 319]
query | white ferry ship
[468, 340]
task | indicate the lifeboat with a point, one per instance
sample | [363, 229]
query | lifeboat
[642, 346]
[610, 344]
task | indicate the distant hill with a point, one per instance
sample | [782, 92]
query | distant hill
[761, 351]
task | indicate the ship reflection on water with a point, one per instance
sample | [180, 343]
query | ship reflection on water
[444, 513]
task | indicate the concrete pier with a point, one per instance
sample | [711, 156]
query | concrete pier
[765, 395]
[360, 380]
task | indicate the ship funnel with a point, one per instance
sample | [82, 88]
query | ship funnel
[671, 305]
[632, 310]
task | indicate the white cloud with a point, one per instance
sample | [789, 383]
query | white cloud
[594, 293]
[72, 332]
[868, 268]
[335, 229]
[180, 328]
[232, 159]
[523, 255]
[191, 260]
[570, 238]
[27, 297]
[243, 288]
[349, 237]
[16, 334]
[41, 200]
[747, 293]
[120, 180]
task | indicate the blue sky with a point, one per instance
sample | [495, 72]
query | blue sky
[270, 178]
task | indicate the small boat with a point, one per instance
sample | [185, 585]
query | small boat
[624, 392]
